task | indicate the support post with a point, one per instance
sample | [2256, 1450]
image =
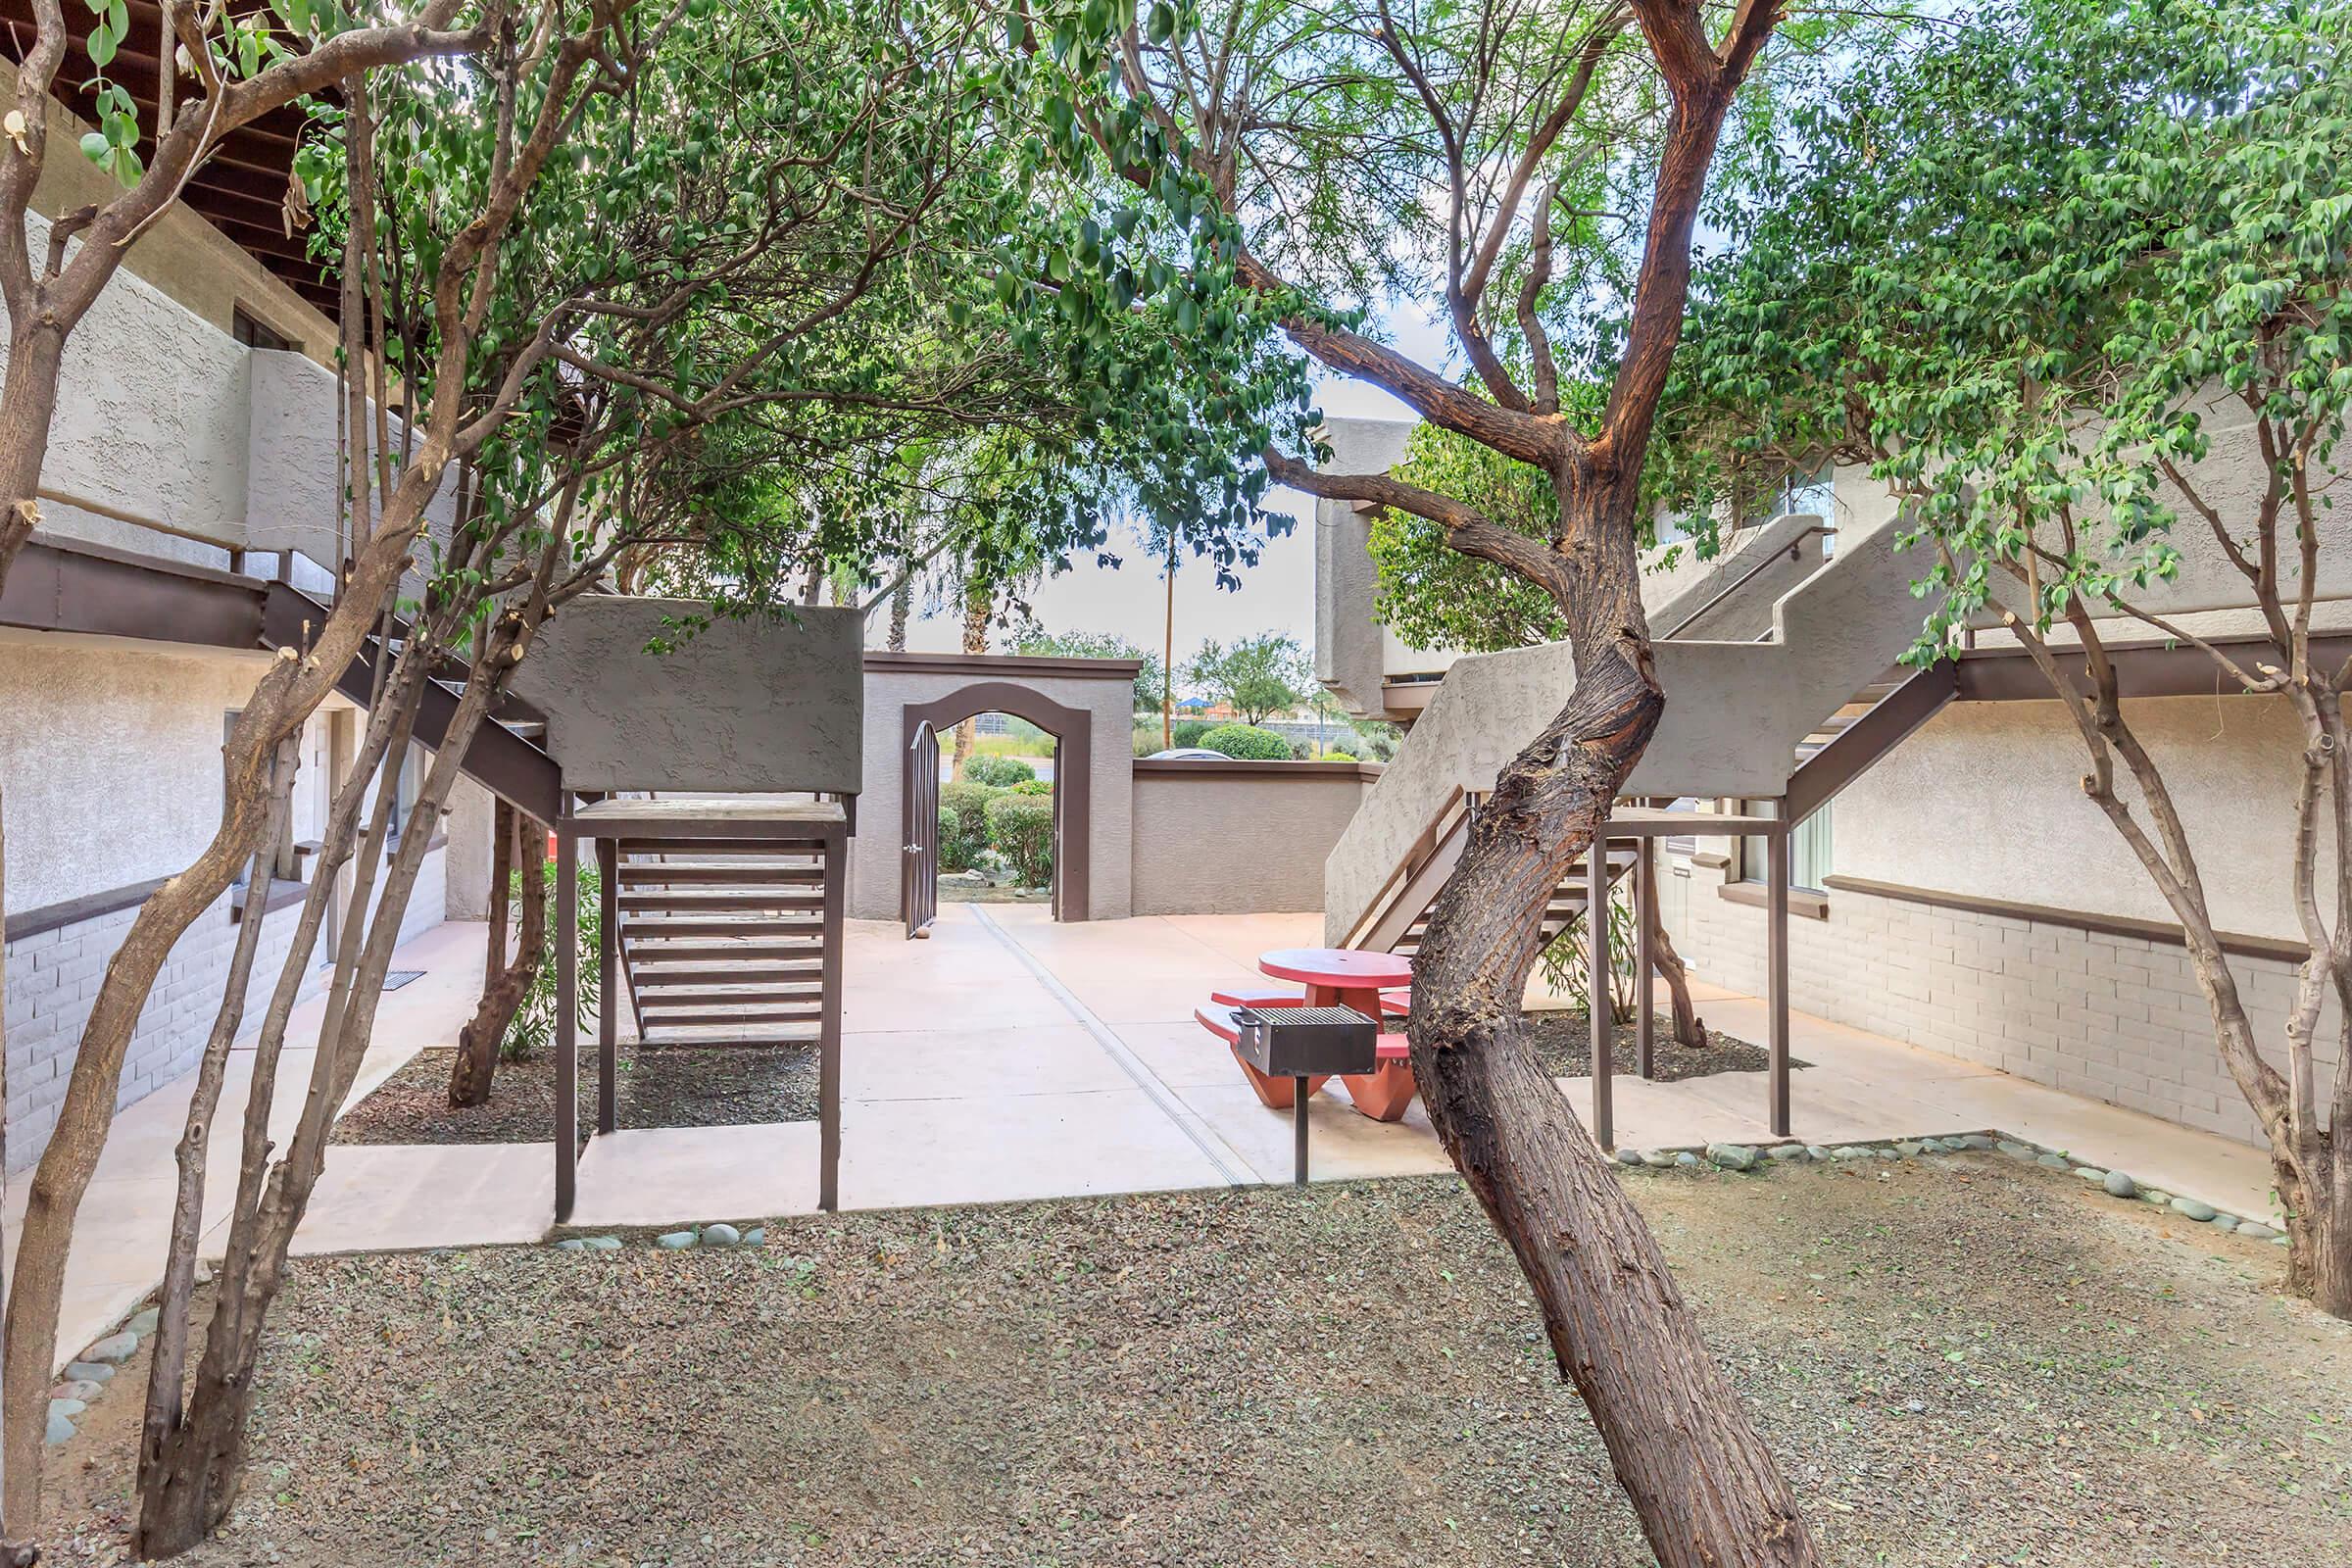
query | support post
[609, 984]
[1776, 971]
[828, 1034]
[1645, 946]
[567, 1041]
[1298, 1099]
[1597, 988]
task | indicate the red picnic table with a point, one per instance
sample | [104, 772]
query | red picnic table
[1345, 977]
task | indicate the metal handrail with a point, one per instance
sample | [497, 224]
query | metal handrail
[1742, 580]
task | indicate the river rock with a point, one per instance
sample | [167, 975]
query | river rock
[675, 1241]
[1911, 1147]
[1658, 1158]
[69, 1408]
[1686, 1158]
[720, 1236]
[2225, 1222]
[89, 1371]
[143, 1323]
[1732, 1157]
[2193, 1208]
[2053, 1161]
[1786, 1152]
[74, 1390]
[2018, 1151]
[1973, 1140]
[757, 1236]
[1629, 1156]
[115, 1348]
[2090, 1173]
[2255, 1231]
[603, 1243]
[571, 1243]
[1851, 1152]
[60, 1430]
[2121, 1185]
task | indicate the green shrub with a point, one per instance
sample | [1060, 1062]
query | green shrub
[1340, 754]
[1002, 772]
[1246, 741]
[1146, 740]
[966, 805]
[1188, 731]
[1033, 786]
[534, 1024]
[1020, 828]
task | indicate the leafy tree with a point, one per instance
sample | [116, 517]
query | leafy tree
[1535, 175]
[1258, 678]
[1247, 743]
[1433, 596]
[1151, 681]
[2073, 280]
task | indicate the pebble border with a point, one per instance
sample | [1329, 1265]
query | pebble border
[2115, 1183]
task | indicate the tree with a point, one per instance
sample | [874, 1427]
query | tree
[1258, 678]
[1433, 596]
[1530, 126]
[2073, 281]
[1151, 681]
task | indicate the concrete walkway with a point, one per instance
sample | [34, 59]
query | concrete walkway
[1012, 1057]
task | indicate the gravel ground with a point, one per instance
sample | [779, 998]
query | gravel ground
[1959, 1361]
[673, 1086]
[1564, 1044]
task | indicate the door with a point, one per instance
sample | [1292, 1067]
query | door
[918, 848]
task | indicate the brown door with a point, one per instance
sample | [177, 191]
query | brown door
[919, 850]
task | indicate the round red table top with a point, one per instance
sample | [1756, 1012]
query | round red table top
[1337, 967]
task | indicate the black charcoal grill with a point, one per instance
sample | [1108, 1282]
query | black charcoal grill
[1302, 1042]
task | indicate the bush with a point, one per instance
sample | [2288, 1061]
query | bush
[1339, 753]
[1033, 786]
[534, 1025]
[1249, 742]
[1188, 731]
[1020, 828]
[1000, 772]
[1146, 740]
[1302, 752]
[965, 807]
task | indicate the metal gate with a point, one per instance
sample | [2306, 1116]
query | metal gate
[919, 850]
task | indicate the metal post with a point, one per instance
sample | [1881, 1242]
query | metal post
[1776, 971]
[1596, 987]
[609, 985]
[829, 1035]
[1645, 919]
[1298, 1099]
[567, 1043]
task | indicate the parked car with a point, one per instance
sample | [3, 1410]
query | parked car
[1188, 753]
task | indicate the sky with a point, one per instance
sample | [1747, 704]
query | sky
[1278, 594]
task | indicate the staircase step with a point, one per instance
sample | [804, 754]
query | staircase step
[706, 996]
[681, 901]
[748, 1018]
[645, 927]
[641, 953]
[653, 977]
[712, 873]
[786, 845]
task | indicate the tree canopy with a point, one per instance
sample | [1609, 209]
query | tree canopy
[1256, 676]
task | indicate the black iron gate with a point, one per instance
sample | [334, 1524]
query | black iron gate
[919, 851]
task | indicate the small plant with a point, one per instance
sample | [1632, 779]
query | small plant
[963, 824]
[1033, 786]
[1188, 731]
[1567, 963]
[1146, 740]
[534, 1025]
[1339, 753]
[1000, 772]
[1249, 742]
[1020, 828]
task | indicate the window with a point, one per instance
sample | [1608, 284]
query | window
[255, 333]
[1809, 852]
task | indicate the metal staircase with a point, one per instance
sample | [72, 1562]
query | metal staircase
[1401, 920]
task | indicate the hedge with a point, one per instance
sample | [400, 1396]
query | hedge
[1002, 772]
[1249, 742]
[1033, 786]
[963, 823]
[1020, 827]
[1188, 731]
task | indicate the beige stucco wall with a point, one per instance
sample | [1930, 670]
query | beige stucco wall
[1238, 838]
[1986, 799]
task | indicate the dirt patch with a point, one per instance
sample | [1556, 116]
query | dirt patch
[1957, 1361]
[671, 1086]
[1563, 1043]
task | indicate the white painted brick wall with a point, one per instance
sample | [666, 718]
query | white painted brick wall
[53, 980]
[2115, 1018]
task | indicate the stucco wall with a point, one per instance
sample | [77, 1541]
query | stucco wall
[1238, 838]
[1351, 652]
[1108, 700]
[1986, 798]
[741, 706]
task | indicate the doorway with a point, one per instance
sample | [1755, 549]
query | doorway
[1041, 753]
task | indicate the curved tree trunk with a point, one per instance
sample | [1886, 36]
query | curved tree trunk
[27, 405]
[978, 601]
[478, 1041]
[1689, 1029]
[1707, 1491]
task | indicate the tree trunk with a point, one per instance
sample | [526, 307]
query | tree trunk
[1689, 1029]
[187, 1489]
[478, 1041]
[1167, 654]
[978, 601]
[902, 606]
[14, 1553]
[27, 405]
[1706, 1490]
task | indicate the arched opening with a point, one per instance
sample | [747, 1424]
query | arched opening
[1073, 805]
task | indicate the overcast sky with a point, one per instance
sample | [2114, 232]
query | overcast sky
[1277, 594]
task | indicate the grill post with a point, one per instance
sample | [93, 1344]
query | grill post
[1298, 1099]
